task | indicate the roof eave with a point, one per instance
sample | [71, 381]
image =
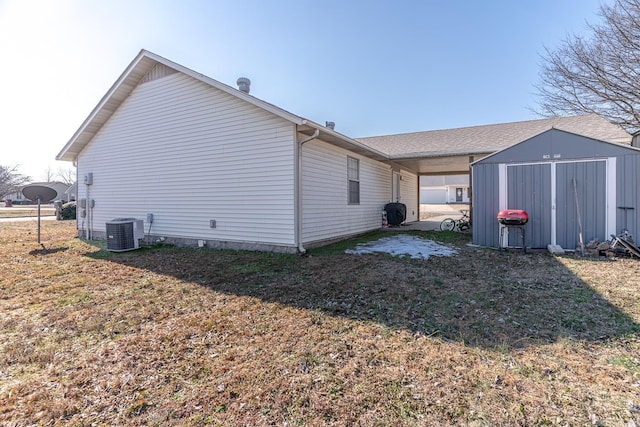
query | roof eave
[122, 87]
[406, 156]
[338, 139]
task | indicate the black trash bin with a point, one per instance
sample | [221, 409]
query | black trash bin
[396, 213]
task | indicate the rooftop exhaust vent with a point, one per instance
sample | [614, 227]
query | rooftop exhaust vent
[330, 125]
[244, 84]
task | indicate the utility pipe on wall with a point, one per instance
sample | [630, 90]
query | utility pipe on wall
[301, 248]
[88, 211]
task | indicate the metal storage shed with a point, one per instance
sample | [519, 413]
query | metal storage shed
[537, 175]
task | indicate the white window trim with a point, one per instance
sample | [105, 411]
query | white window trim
[349, 180]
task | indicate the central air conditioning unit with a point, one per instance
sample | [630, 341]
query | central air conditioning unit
[124, 234]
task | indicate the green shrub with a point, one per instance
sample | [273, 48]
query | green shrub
[69, 210]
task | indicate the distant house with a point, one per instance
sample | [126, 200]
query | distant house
[71, 192]
[17, 198]
[438, 189]
[244, 173]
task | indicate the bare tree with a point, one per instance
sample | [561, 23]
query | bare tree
[11, 180]
[47, 175]
[66, 175]
[599, 74]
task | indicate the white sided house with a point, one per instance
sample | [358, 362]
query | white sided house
[242, 173]
[439, 189]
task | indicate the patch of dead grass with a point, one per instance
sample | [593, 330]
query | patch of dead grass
[30, 211]
[168, 336]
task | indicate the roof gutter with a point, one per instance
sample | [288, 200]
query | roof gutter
[370, 151]
[436, 154]
[298, 181]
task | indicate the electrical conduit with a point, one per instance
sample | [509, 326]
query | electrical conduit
[301, 248]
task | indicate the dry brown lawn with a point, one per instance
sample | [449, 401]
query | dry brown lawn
[169, 336]
[26, 211]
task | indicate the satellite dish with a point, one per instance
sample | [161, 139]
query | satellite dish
[39, 193]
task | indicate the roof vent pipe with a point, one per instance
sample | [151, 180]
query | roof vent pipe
[330, 125]
[243, 84]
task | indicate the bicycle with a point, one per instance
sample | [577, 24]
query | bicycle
[623, 244]
[462, 224]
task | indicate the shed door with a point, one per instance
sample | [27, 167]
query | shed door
[591, 184]
[529, 188]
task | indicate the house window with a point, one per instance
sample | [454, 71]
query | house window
[353, 180]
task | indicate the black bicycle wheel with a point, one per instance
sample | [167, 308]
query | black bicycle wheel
[464, 226]
[447, 224]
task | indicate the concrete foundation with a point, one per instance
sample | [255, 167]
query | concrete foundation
[203, 243]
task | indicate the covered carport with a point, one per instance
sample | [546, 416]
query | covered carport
[441, 164]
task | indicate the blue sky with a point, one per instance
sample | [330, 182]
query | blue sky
[374, 67]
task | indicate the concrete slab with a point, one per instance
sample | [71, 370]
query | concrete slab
[428, 211]
[429, 224]
[443, 208]
[555, 249]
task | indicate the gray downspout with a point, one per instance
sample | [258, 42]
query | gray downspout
[301, 248]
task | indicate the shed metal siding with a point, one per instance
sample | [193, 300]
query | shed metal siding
[326, 214]
[189, 153]
[628, 195]
[529, 188]
[591, 179]
[486, 203]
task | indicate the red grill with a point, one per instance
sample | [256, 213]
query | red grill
[513, 217]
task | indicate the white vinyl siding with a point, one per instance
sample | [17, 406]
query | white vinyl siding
[409, 194]
[433, 195]
[189, 153]
[326, 211]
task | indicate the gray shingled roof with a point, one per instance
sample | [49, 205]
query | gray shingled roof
[491, 138]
